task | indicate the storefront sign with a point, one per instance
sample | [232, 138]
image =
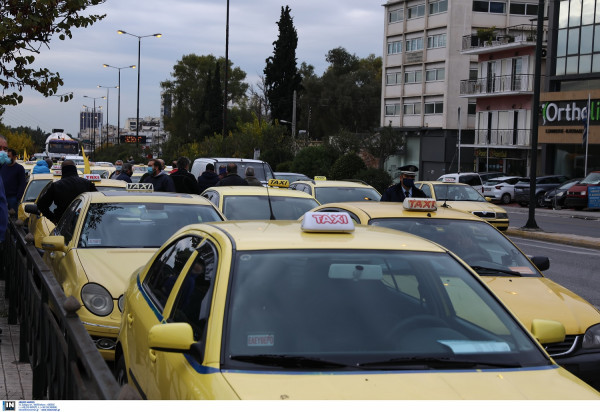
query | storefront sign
[593, 197]
[491, 153]
[563, 113]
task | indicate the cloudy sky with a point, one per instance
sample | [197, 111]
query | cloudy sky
[187, 26]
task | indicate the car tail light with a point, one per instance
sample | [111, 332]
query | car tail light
[498, 187]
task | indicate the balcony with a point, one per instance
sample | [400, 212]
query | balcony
[518, 84]
[489, 40]
[503, 138]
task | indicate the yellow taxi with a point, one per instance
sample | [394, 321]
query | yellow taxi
[327, 191]
[103, 236]
[325, 309]
[463, 197]
[35, 184]
[515, 278]
[260, 203]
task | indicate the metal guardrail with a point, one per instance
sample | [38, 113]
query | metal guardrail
[517, 83]
[64, 360]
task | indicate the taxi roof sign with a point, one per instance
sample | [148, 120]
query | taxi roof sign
[322, 222]
[140, 187]
[94, 177]
[320, 178]
[449, 179]
[420, 204]
[279, 183]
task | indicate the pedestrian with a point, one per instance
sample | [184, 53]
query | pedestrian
[250, 178]
[63, 191]
[13, 175]
[118, 169]
[126, 173]
[208, 178]
[3, 215]
[405, 188]
[222, 171]
[49, 162]
[232, 178]
[131, 160]
[161, 182]
[41, 166]
[184, 181]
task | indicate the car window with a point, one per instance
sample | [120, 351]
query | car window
[345, 194]
[592, 179]
[68, 221]
[427, 190]
[34, 188]
[471, 180]
[166, 268]
[259, 207]
[457, 193]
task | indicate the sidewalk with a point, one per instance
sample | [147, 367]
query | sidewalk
[16, 378]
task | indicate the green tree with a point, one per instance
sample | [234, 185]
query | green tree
[384, 143]
[281, 73]
[346, 167]
[378, 178]
[314, 161]
[27, 27]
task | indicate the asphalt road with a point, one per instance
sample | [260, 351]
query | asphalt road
[567, 221]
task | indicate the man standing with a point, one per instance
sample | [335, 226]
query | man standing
[406, 187]
[118, 170]
[208, 178]
[13, 175]
[232, 178]
[63, 191]
[184, 181]
[162, 182]
[126, 173]
[250, 178]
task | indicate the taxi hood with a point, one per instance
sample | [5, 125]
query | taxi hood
[540, 298]
[112, 268]
[469, 206]
[543, 383]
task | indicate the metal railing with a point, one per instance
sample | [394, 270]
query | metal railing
[63, 358]
[516, 83]
[503, 137]
[492, 37]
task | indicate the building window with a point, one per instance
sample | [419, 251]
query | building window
[412, 108]
[435, 75]
[416, 11]
[396, 16]
[438, 7]
[495, 7]
[414, 44]
[434, 108]
[436, 41]
[392, 109]
[473, 74]
[472, 108]
[524, 9]
[393, 78]
[394, 47]
[415, 76]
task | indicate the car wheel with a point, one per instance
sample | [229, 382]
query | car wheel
[539, 200]
[121, 371]
[505, 199]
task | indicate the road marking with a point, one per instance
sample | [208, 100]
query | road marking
[556, 246]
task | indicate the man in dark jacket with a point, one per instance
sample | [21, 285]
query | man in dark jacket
[208, 178]
[406, 187]
[184, 181]
[63, 191]
[13, 175]
[126, 172]
[162, 182]
[250, 178]
[232, 178]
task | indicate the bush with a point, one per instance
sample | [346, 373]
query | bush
[346, 166]
[379, 179]
[313, 161]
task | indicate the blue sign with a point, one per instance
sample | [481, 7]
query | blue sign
[593, 197]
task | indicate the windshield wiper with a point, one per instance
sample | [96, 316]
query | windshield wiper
[486, 270]
[438, 363]
[287, 361]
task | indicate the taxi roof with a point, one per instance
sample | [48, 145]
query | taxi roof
[258, 191]
[268, 235]
[335, 183]
[43, 176]
[146, 197]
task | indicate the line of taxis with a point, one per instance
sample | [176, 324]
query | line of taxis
[328, 306]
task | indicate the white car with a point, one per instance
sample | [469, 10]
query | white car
[501, 189]
[469, 178]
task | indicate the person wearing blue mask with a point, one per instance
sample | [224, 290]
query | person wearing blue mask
[118, 170]
[161, 182]
[405, 188]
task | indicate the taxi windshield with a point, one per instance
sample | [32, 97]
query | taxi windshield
[139, 225]
[257, 207]
[457, 192]
[361, 308]
[345, 194]
[475, 242]
[34, 189]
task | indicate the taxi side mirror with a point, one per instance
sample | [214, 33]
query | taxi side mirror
[547, 331]
[541, 262]
[32, 209]
[54, 243]
[171, 337]
[488, 199]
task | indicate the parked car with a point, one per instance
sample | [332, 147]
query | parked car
[542, 185]
[555, 198]
[577, 195]
[471, 179]
[486, 176]
[501, 189]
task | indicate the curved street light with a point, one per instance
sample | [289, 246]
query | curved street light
[133, 66]
[137, 122]
[107, 100]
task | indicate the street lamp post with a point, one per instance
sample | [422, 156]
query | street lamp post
[107, 100]
[137, 122]
[119, 98]
[94, 120]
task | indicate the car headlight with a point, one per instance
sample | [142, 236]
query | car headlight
[96, 299]
[582, 193]
[501, 215]
[560, 193]
[591, 339]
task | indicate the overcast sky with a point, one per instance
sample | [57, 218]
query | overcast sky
[187, 26]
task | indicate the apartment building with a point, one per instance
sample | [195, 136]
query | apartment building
[424, 67]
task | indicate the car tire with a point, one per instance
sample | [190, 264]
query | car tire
[539, 200]
[505, 199]
[121, 371]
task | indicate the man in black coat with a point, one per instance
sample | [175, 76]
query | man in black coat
[162, 182]
[232, 178]
[63, 191]
[184, 181]
[208, 178]
[406, 187]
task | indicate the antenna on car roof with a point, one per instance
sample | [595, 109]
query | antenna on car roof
[270, 205]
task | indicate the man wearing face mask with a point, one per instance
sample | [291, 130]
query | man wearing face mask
[118, 170]
[161, 182]
[13, 175]
[406, 187]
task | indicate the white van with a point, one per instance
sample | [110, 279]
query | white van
[472, 179]
[262, 170]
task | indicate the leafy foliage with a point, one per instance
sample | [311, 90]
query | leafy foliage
[379, 179]
[26, 27]
[314, 161]
[346, 167]
[19, 140]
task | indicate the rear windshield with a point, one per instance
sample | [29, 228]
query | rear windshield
[261, 170]
[345, 194]
[257, 207]
[592, 179]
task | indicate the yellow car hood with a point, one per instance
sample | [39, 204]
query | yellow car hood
[540, 298]
[468, 206]
[546, 383]
[112, 268]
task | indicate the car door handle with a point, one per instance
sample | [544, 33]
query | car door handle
[129, 319]
[152, 356]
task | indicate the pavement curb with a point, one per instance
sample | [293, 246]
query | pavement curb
[565, 239]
